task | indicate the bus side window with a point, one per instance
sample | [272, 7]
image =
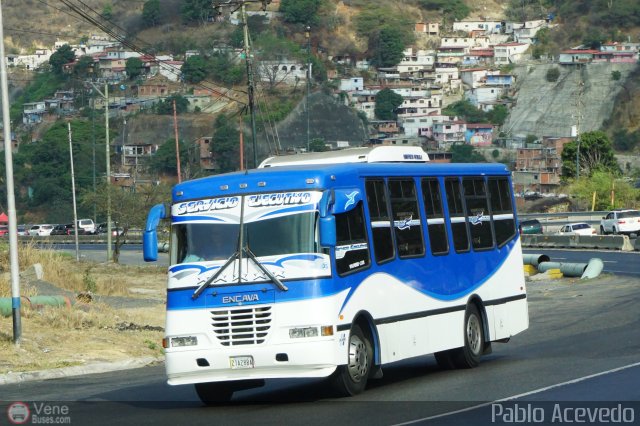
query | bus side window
[380, 219]
[475, 195]
[352, 250]
[502, 210]
[457, 215]
[435, 216]
[406, 217]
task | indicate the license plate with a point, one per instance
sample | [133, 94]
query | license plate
[238, 362]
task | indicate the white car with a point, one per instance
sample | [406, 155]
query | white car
[43, 230]
[86, 226]
[621, 222]
[580, 228]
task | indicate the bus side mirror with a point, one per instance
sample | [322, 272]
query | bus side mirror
[328, 231]
[150, 236]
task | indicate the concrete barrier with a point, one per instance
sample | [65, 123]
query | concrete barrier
[608, 242]
[637, 246]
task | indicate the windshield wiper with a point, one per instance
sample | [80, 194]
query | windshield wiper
[268, 273]
[208, 282]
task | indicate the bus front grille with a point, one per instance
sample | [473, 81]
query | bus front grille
[241, 326]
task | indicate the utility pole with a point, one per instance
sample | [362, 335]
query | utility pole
[250, 86]
[73, 194]
[307, 34]
[579, 107]
[175, 129]
[11, 200]
[108, 153]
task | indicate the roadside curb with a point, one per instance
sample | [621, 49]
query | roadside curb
[78, 370]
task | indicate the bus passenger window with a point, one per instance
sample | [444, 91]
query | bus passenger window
[457, 215]
[380, 219]
[475, 196]
[502, 210]
[352, 250]
[435, 216]
[406, 217]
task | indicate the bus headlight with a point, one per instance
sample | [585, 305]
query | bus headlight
[296, 333]
[177, 342]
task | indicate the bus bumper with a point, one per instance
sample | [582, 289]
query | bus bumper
[305, 359]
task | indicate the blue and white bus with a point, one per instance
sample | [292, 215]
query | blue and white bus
[336, 264]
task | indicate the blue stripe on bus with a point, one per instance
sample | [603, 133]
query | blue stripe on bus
[443, 278]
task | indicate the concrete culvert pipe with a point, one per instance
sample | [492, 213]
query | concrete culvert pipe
[567, 269]
[534, 259]
[594, 268]
[6, 307]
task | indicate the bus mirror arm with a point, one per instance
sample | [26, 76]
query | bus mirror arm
[326, 203]
[150, 237]
[268, 273]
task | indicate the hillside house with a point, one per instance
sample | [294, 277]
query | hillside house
[428, 28]
[478, 134]
[33, 112]
[351, 84]
[416, 126]
[387, 127]
[577, 56]
[171, 70]
[448, 133]
[478, 57]
[137, 154]
[415, 60]
[485, 97]
[500, 80]
[203, 153]
[509, 53]
[34, 61]
[152, 90]
[616, 57]
[473, 77]
[478, 27]
[527, 32]
[286, 71]
[451, 54]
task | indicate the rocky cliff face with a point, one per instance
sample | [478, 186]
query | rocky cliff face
[582, 95]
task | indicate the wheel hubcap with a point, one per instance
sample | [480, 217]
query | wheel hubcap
[358, 360]
[473, 334]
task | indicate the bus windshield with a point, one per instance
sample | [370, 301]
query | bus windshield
[282, 235]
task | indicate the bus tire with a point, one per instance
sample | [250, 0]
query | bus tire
[351, 379]
[468, 356]
[214, 393]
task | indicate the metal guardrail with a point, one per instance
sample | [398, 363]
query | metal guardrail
[563, 218]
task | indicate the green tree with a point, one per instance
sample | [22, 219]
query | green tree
[45, 168]
[194, 69]
[452, 9]
[616, 75]
[602, 183]
[107, 12]
[300, 11]
[60, 57]
[133, 68]
[164, 161]
[196, 10]
[225, 145]
[595, 154]
[386, 102]
[166, 106]
[553, 74]
[498, 115]
[128, 208]
[83, 67]
[224, 70]
[43, 85]
[465, 111]
[317, 145]
[626, 141]
[151, 12]
[463, 153]
[386, 47]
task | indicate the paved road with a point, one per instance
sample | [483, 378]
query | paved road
[580, 334]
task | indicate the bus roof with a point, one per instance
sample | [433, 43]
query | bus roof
[321, 176]
[378, 154]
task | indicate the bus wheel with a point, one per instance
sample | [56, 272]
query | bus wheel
[351, 379]
[468, 356]
[214, 393]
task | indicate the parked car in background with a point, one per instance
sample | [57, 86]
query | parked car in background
[115, 229]
[580, 228]
[530, 226]
[621, 222]
[23, 230]
[4, 230]
[59, 230]
[87, 226]
[43, 230]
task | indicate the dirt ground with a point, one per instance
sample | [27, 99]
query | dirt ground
[111, 313]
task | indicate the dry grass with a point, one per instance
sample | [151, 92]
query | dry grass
[55, 337]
